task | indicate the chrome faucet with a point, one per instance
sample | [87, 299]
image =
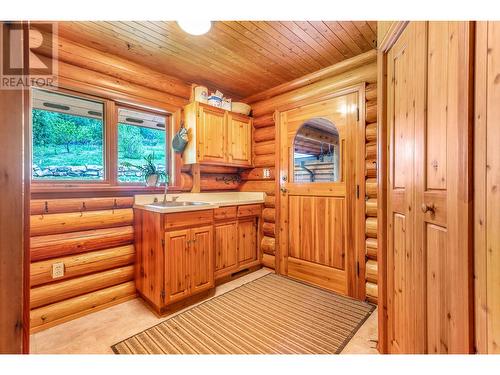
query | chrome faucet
[165, 193]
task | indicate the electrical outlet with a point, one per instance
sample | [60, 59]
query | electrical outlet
[57, 270]
[266, 172]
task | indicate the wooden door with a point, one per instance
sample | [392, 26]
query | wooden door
[226, 247]
[211, 135]
[317, 216]
[239, 130]
[247, 241]
[201, 259]
[177, 259]
[428, 253]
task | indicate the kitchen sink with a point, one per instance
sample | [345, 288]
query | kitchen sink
[177, 204]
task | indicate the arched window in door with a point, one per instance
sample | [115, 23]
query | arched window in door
[316, 152]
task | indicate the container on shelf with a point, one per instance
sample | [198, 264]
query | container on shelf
[201, 94]
[242, 108]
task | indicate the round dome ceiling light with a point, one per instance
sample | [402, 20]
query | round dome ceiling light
[195, 27]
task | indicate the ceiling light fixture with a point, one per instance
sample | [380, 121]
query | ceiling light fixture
[195, 27]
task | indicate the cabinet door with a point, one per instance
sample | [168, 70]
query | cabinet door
[226, 247]
[247, 241]
[211, 136]
[202, 259]
[176, 265]
[239, 130]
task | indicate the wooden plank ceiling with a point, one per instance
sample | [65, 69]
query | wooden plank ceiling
[238, 58]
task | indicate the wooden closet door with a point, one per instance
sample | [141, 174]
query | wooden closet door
[405, 263]
[443, 196]
[429, 264]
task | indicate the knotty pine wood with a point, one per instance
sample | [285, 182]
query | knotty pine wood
[233, 56]
[429, 70]
[371, 248]
[57, 245]
[95, 245]
[55, 292]
[486, 181]
[82, 264]
[42, 225]
[58, 206]
[14, 339]
[92, 59]
[48, 316]
[264, 145]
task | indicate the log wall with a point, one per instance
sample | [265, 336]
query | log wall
[360, 69]
[93, 239]
[371, 192]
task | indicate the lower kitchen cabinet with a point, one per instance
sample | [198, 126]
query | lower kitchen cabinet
[236, 239]
[247, 241]
[189, 263]
[179, 255]
[226, 254]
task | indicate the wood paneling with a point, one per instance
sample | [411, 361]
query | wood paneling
[241, 58]
[310, 238]
[487, 180]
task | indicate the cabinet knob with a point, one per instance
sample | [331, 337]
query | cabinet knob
[428, 208]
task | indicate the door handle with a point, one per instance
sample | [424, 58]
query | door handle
[428, 208]
[283, 189]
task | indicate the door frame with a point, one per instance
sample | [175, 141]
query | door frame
[384, 45]
[359, 180]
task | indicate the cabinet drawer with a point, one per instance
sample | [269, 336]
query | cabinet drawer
[188, 219]
[224, 213]
[249, 210]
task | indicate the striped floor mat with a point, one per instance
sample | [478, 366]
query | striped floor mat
[271, 315]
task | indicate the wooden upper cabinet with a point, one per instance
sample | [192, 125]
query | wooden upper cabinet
[212, 136]
[239, 130]
[217, 137]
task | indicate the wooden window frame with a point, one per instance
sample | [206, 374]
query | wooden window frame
[110, 182]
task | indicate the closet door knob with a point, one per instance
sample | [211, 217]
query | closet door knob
[428, 208]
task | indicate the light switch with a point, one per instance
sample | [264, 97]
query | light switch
[266, 173]
[57, 270]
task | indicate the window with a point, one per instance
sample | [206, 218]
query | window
[68, 137]
[140, 135]
[317, 152]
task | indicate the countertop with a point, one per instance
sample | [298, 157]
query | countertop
[212, 200]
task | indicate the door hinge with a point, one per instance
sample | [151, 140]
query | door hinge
[357, 268]
[357, 191]
[163, 243]
[357, 113]
[162, 295]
